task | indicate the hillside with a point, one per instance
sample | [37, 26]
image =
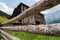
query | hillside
[53, 17]
[3, 17]
[4, 14]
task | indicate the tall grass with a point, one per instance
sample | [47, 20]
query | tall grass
[3, 19]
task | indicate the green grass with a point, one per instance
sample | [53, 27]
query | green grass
[28, 36]
[1, 37]
[3, 19]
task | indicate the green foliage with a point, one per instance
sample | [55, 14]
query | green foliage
[28, 36]
[1, 37]
[3, 17]
[4, 14]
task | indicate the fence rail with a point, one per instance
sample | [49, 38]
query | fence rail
[7, 36]
[52, 29]
[37, 29]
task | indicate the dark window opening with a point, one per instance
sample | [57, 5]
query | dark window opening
[37, 22]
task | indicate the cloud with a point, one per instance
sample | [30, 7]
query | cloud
[34, 0]
[55, 8]
[37, 0]
[5, 8]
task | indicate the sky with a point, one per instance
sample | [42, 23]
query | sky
[9, 5]
[55, 8]
[14, 3]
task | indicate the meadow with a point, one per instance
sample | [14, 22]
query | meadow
[28, 36]
[3, 19]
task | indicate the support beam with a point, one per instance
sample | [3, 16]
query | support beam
[34, 9]
[52, 29]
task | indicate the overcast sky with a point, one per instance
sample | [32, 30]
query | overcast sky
[9, 5]
[14, 3]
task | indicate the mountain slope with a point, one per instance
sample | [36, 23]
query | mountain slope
[52, 15]
[4, 14]
[3, 17]
[5, 8]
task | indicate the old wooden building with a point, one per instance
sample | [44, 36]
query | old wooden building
[19, 9]
[33, 19]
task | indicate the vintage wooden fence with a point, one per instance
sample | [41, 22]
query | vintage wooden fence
[48, 30]
[7, 36]
[52, 29]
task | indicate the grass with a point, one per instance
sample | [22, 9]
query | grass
[3, 19]
[28, 36]
[1, 37]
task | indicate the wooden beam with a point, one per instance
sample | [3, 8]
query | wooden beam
[34, 9]
[52, 29]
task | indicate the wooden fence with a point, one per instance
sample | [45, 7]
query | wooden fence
[7, 36]
[51, 29]
[36, 29]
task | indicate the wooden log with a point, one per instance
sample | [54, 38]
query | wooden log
[4, 37]
[52, 29]
[34, 9]
[7, 36]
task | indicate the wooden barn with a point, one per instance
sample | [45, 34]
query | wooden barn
[33, 19]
